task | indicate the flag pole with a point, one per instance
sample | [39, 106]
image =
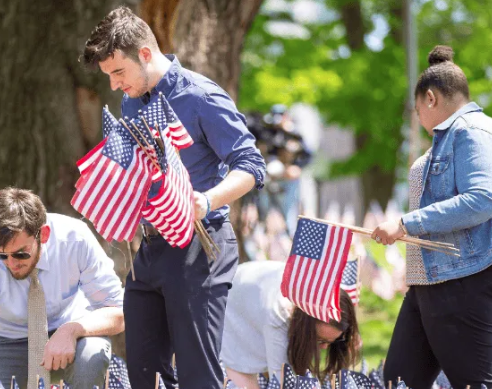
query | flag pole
[62, 384]
[158, 140]
[132, 269]
[447, 248]
[358, 282]
[107, 378]
[12, 382]
[157, 376]
[333, 381]
[140, 144]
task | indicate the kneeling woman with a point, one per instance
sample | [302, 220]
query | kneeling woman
[263, 330]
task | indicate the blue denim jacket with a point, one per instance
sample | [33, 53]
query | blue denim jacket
[456, 202]
[222, 142]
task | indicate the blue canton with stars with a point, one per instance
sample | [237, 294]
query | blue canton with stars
[119, 147]
[309, 239]
[349, 276]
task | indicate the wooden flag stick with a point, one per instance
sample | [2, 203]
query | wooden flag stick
[399, 379]
[143, 137]
[141, 146]
[62, 384]
[128, 246]
[390, 384]
[158, 140]
[358, 280]
[107, 380]
[157, 376]
[333, 381]
[12, 382]
[446, 248]
[37, 380]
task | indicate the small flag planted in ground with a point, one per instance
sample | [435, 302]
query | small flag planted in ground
[350, 280]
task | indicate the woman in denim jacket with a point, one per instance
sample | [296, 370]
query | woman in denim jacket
[445, 321]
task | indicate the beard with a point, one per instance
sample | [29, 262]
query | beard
[23, 275]
[144, 84]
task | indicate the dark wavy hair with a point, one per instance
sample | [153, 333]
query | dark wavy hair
[303, 351]
[20, 210]
[121, 30]
[442, 74]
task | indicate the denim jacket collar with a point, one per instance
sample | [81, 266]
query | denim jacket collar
[470, 107]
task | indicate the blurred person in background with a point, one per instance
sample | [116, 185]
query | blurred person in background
[285, 153]
[445, 321]
[263, 330]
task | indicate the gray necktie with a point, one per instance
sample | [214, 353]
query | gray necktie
[37, 332]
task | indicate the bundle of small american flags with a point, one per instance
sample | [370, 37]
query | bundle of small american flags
[116, 176]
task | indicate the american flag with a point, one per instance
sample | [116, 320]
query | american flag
[350, 282]
[262, 381]
[160, 382]
[376, 379]
[114, 188]
[362, 381]
[13, 383]
[347, 381]
[402, 385]
[273, 383]
[118, 374]
[108, 122]
[172, 210]
[289, 377]
[313, 272]
[41, 383]
[307, 383]
[159, 111]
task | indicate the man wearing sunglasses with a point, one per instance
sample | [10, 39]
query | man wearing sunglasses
[53, 275]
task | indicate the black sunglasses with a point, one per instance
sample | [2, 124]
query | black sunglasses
[340, 339]
[19, 255]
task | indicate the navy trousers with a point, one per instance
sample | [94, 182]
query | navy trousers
[177, 306]
[445, 326]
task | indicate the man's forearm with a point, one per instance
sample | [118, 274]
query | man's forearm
[235, 185]
[105, 321]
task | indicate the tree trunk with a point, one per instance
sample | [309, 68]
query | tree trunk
[51, 107]
[377, 184]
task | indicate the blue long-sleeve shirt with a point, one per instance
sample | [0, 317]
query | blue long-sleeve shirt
[222, 142]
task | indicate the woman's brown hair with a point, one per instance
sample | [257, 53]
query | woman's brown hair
[303, 351]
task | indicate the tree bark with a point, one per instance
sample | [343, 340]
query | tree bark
[51, 106]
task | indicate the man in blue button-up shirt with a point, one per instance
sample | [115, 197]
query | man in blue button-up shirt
[178, 301]
[83, 294]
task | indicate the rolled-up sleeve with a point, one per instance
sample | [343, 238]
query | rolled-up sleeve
[98, 280]
[225, 131]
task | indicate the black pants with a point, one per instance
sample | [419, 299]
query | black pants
[177, 305]
[446, 326]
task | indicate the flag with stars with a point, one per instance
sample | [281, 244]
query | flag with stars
[346, 381]
[289, 377]
[160, 382]
[401, 385]
[313, 272]
[118, 374]
[113, 190]
[41, 383]
[13, 383]
[376, 379]
[350, 281]
[108, 122]
[274, 383]
[262, 381]
[159, 111]
[362, 381]
[307, 383]
[172, 210]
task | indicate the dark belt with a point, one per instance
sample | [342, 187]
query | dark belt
[150, 230]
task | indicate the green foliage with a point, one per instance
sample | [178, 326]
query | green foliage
[364, 91]
[377, 318]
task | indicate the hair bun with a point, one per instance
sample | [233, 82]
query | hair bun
[440, 54]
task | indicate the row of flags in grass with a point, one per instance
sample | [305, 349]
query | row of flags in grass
[116, 176]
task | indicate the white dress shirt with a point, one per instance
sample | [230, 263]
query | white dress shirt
[76, 275]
